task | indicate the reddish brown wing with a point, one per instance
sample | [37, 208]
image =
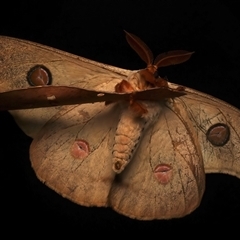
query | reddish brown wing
[49, 96]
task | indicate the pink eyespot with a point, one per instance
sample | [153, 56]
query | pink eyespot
[163, 173]
[80, 149]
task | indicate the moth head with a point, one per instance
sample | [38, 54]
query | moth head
[150, 74]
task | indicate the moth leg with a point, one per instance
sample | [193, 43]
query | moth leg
[125, 87]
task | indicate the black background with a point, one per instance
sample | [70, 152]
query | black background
[94, 29]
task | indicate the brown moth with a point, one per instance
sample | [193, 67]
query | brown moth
[143, 147]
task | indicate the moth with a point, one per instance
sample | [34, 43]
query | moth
[109, 137]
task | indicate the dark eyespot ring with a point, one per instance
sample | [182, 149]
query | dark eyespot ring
[218, 134]
[39, 75]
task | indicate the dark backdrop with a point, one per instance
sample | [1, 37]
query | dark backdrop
[94, 29]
